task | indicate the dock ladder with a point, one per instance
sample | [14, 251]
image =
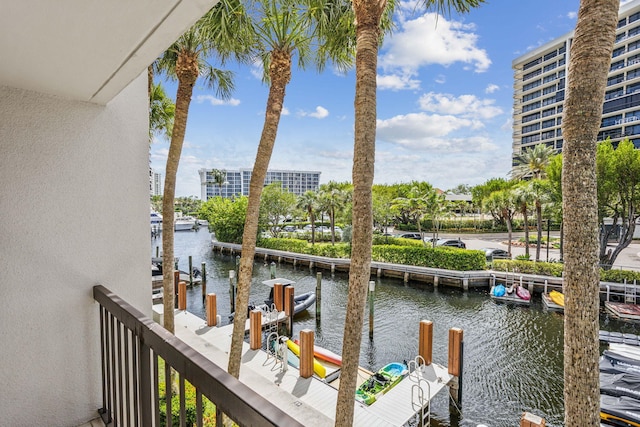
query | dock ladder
[629, 293]
[420, 404]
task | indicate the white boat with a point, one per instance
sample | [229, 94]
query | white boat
[184, 223]
[156, 223]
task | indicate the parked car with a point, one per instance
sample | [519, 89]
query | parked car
[495, 253]
[415, 236]
[289, 228]
[452, 243]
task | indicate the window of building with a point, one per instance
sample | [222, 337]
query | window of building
[617, 52]
[531, 128]
[560, 96]
[634, 17]
[548, 123]
[532, 74]
[615, 79]
[550, 55]
[561, 84]
[562, 61]
[622, 22]
[614, 93]
[549, 101]
[633, 46]
[633, 88]
[633, 74]
[548, 135]
[616, 65]
[611, 133]
[621, 103]
[532, 95]
[550, 67]
[549, 112]
[611, 121]
[531, 106]
[558, 132]
[559, 121]
[562, 49]
[549, 78]
[549, 89]
[530, 117]
[632, 130]
[532, 63]
[621, 37]
[634, 31]
[561, 74]
[531, 85]
[530, 138]
[632, 116]
[632, 60]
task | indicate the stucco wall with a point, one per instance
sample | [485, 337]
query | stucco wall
[74, 203]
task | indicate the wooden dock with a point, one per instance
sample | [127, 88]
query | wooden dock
[550, 305]
[311, 401]
[510, 299]
[622, 310]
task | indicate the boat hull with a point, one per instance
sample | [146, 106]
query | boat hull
[381, 382]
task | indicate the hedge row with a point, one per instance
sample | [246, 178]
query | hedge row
[555, 269]
[410, 253]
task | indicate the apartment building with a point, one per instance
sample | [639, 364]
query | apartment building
[236, 182]
[539, 89]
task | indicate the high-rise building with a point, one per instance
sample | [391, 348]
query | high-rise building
[539, 89]
[157, 184]
[236, 182]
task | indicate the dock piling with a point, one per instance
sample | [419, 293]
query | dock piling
[318, 293]
[190, 271]
[157, 251]
[455, 364]
[530, 420]
[212, 310]
[306, 353]
[176, 279]
[272, 270]
[232, 290]
[255, 329]
[278, 296]
[372, 289]
[203, 270]
[425, 345]
[288, 308]
[182, 296]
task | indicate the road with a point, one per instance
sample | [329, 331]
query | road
[629, 258]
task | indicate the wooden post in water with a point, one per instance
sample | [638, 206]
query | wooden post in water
[425, 341]
[278, 296]
[182, 296]
[372, 289]
[455, 364]
[212, 310]
[190, 271]
[232, 290]
[272, 270]
[318, 293]
[306, 353]
[255, 329]
[176, 279]
[157, 251]
[203, 279]
[288, 308]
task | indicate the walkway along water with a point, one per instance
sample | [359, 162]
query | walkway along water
[512, 355]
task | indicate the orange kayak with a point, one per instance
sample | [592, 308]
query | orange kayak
[324, 354]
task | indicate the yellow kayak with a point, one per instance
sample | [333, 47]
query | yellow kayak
[557, 297]
[319, 370]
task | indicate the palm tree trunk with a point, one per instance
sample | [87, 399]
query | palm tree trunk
[590, 57]
[539, 228]
[187, 72]
[280, 73]
[368, 32]
[526, 232]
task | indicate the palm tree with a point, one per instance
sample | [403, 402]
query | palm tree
[282, 28]
[587, 78]
[161, 112]
[523, 199]
[368, 18]
[184, 61]
[532, 162]
[219, 178]
[308, 202]
[332, 198]
[503, 201]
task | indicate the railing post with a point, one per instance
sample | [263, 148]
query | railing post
[145, 384]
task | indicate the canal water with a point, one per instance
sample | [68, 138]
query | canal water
[513, 355]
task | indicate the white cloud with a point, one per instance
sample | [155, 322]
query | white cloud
[285, 111]
[491, 88]
[464, 105]
[319, 113]
[572, 15]
[432, 39]
[216, 101]
[423, 132]
[397, 82]
[440, 79]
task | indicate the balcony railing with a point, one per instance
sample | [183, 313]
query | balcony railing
[139, 356]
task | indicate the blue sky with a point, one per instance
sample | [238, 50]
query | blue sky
[445, 91]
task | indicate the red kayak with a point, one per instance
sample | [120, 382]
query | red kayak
[324, 354]
[523, 293]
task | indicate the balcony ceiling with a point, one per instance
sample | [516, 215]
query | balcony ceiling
[87, 50]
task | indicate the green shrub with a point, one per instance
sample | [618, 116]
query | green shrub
[424, 256]
[619, 276]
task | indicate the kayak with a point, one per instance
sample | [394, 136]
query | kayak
[318, 369]
[498, 290]
[381, 382]
[620, 410]
[557, 297]
[523, 293]
[324, 354]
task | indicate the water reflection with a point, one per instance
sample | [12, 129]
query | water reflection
[512, 355]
